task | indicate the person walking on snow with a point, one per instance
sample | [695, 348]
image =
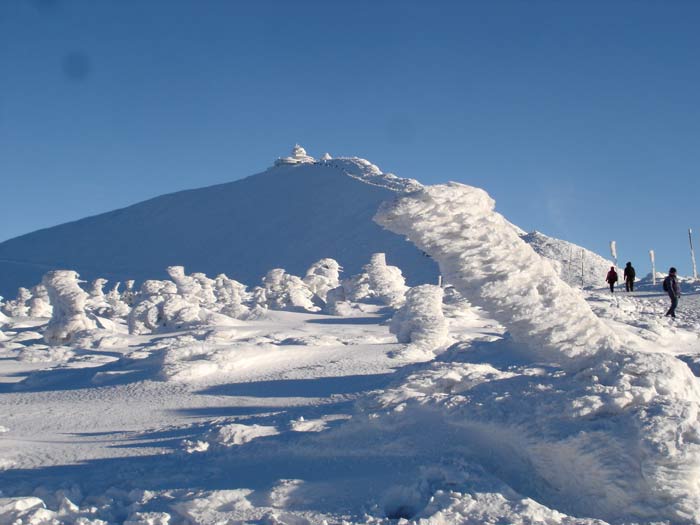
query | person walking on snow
[673, 289]
[629, 275]
[611, 279]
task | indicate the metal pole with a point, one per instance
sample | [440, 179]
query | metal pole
[692, 254]
[653, 267]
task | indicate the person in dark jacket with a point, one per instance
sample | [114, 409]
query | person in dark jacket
[611, 279]
[673, 289]
[629, 275]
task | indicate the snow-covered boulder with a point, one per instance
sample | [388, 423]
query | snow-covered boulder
[421, 321]
[322, 276]
[386, 281]
[68, 300]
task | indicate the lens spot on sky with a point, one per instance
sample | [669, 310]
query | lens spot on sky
[76, 66]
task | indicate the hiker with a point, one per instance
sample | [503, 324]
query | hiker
[629, 275]
[611, 279]
[673, 289]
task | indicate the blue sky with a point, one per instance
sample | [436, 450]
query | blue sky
[581, 119]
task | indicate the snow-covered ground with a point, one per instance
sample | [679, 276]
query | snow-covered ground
[508, 397]
[302, 417]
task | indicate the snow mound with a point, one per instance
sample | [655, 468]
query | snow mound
[237, 434]
[607, 428]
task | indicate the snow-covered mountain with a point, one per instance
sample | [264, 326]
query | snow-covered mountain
[291, 215]
[576, 266]
[298, 211]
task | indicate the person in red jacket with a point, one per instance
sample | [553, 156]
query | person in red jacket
[611, 279]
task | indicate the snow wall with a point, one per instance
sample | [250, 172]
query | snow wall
[616, 435]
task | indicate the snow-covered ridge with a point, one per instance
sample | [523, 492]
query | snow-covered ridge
[369, 173]
[355, 167]
[576, 265]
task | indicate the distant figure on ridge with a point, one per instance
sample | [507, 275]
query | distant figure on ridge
[611, 279]
[629, 276]
[673, 289]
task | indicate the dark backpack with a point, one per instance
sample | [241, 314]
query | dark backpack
[667, 284]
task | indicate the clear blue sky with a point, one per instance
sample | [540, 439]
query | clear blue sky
[582, 119]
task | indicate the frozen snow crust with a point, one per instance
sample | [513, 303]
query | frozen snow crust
[602, 425]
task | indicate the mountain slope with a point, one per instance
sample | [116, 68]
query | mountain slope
[577, 266]
[289, 216]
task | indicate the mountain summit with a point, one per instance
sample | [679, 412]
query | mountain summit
[296, 212]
